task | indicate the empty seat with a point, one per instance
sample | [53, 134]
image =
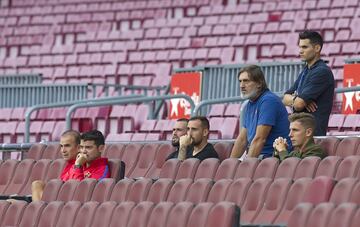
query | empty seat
[130, 157]
[86, 214]
[117, 169]
[207, 168]
[342, 191]
[223, 150]
[219, 190]
[348, 167]
[147, 157]
[67, 190]
[102, 216]
[328, 166]
[13, 214]
[347, 146]
[275, 198]
[227, 169]
[140, 214]
[187, 168]
[320, 215]
[84, 190]
[287, 168]
[170, 168]
[342, 215]
[7, 170]
[102, 190]
[121, 190]
[32, 214]
[179, 190]
[217, 110]
[319, 190]
[199, 190]
[159, 214]
[330, 144]
[223, 214]
[4, 205]
[246, 168]
[254, 200]
[114, 150]
[179, 214]
[162, 153]
[121, 214]
[36, 151]
[51, 190]
[20, 178]
[52, 151]
[50, 214]
[355, 194]
[200, 214]
[266, 168]
[307, 167]
[139, 190]
[159, 190]
[238, 190]
[68, 214]
[300, 215]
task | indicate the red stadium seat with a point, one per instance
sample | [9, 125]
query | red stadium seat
[84, 190]
[121, 190]
[7, 170]
[226, 169]
[300, 215]
[50, 214]
[20, 177]
[121, 214]
[179, 214]
[287, 168]
[179, 190]
[102, 190]
[86, 214]
[200, 214]
[188, 168]
[139, 190]
[162, 153]
[199, 190]
[140, 214]
[320, 215]
[247, 168]
[67, 190]
[307, 167]
[328, 166]
[238, 190]
[219, 190]
[68, 214]
[348, 167]
[51, 190]
[159, 214]
[207, 168]
[32, 214]
[13, 214]
[170, 168]
[342, 191]
[266, 168]
[102, 216]
[147, 157]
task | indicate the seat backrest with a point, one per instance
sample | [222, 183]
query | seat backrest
[328, 166]
[51, 190]
[20, 178]
[102, 190]
[84, 190]
[68, 214]
[50, 214]
[121, 190]
[342, 215]
[199, 190]
[4, 205]
[13, 214]
[36, 151]
[300, 215]
[170, 168]
[114, 150]
[38, 172]
[52, 151]
[199, 214]
[219, 190]
[355, 194]
[238, 190]
[147, 157]
[130, 157]
[67, 190]
[223, 150]
[140, 214]
[266, 168]
[159, 190]
[348, 167]
[294, 197]
[330, 145]
[179, 214]
[7, 170]
[307, 167]
[159, 214]
[121, 214]
[287, 168]
[207, 168]
[319, 190]
[223, 214]
[188, 168]
[162, 153]
[355, 219]
[246, 168]
[347, 146]
[103, 214]
[32, 214]
[139, 190]
[179, 190]
[86, 214]
[274, 200]
[55, 169]
[342, 190]
[226, 169]
[117, 169]
[320, 215]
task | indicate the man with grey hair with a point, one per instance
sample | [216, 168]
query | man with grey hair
[265, 117]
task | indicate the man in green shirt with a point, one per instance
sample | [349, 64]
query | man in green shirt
[302, 127]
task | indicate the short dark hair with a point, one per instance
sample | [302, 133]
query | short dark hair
[183, 120]
[204, 121]
[306, 120]
[94, 135]
[72, 133]
[314, 37]
[255, 74]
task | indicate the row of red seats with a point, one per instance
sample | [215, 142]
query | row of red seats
[262, 200]
[124, 214]
[342, 124]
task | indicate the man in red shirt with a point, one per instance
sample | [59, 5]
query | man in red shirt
[89, 163]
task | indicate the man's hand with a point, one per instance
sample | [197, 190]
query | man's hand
[80, 159]
[185, 141]
[280, 144]
[311, 107]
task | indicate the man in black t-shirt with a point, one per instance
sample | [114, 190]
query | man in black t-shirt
[195, 143]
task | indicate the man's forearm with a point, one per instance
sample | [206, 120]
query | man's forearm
[238, 148]
[182, 153]
[288, 100]
[256, 147]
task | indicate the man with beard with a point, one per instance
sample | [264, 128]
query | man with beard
[194, 144]
[302, 128]
[265, 117]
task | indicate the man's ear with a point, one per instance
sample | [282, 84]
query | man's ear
[317, 48]
[206, 132]
[101, 148]
[309, 132]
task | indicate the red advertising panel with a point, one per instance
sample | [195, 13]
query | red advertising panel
[351, 100]
[188, 84]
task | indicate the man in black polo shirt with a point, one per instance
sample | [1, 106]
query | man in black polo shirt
[194, 144]
[313, 91]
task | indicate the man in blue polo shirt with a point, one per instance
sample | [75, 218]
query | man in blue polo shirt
[313, 91]
[265, 117]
